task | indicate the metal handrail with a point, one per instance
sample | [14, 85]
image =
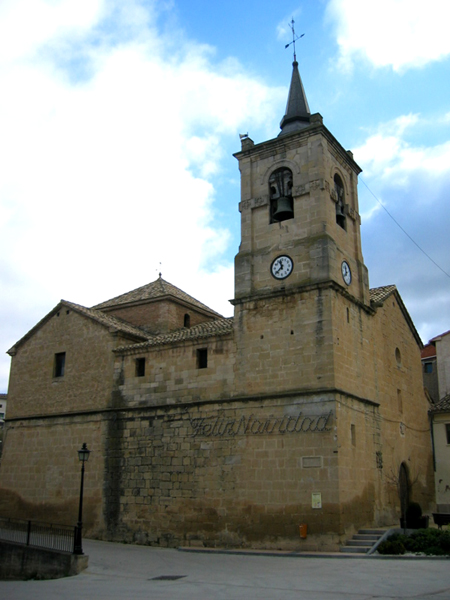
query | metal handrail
[37, 534]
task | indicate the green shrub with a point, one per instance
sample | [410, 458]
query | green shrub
[391, 547]
[427, 541]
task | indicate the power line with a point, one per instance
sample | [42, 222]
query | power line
[405, 232]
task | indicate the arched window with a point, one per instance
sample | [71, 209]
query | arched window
[280, 191]
[340, 203]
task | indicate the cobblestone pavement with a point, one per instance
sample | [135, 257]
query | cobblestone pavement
[134, 572]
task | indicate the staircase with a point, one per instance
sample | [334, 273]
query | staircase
[363, 541]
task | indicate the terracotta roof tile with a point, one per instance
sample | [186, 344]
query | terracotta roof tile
[108, 320]
[429, 351]
[442, 406]
[112, 323]
[201, 331]
[379, 294]
[152, 291]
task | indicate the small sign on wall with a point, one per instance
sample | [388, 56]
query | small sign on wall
[316, 500]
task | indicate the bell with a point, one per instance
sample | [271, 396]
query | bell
[284, 209]
[340, 210]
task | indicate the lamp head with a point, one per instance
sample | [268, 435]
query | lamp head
[83, 454]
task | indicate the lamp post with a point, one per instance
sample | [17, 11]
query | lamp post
[83, 456]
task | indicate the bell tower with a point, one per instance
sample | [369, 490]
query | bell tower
[300, 241]
[299, 200]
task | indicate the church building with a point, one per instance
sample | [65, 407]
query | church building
[306, 407]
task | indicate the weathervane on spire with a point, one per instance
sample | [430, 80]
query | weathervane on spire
[294, 38]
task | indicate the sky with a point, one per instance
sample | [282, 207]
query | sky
[118, 121]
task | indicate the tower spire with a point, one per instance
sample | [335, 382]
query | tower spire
[297, 110]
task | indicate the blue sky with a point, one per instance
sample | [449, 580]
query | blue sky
[118, 123]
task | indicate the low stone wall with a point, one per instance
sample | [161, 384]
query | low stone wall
[26, 562]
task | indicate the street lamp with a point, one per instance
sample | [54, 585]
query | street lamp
[83, 456]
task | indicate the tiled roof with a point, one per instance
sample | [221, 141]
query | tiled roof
[108, 320]
[112, 323]
[380, 294]
[442, 406]
[429, 351]
[152, 291]
[439, 336]
[203, 330]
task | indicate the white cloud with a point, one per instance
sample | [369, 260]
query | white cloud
[401, 34]
[387, 155]
[411, 181]
[106, 175]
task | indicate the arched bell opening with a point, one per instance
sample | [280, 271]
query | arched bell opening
[341, 219]
[280, 191]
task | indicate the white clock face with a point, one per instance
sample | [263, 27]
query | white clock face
[282, 267]
[346, 273]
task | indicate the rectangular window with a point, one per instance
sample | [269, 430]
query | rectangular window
[202, 358]
[447, 430]
[428, 367]
[60, 364]
[353, 434]
[140, 367]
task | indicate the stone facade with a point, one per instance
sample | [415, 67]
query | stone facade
[302, 408]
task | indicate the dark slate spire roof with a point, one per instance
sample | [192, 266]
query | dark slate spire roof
[297, 109]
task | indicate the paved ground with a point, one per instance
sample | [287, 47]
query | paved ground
[128, 572]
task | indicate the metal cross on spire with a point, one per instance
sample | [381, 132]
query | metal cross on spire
[294, 38]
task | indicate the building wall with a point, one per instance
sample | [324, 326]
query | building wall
[172, 374]
[87, 380]
[284, 343]
[40, 470]
[383, 422]
[234, 473]
[443, 364]
[159, 317]
[430, 377]
[442, 458]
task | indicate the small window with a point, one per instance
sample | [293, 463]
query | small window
[60, 364]
[202, 358]
[398, 357]
[428, 367]
[140, 367]
[399, 401]
[187, 320]
[447, 431]
[353, 434]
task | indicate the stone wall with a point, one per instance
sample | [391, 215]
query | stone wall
[87, 380]
[40, 470]
[236, 473]
[24, 562]
[172, 374]
[159, 317]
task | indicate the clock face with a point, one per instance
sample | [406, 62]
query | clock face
[282, 267]
[346, 272]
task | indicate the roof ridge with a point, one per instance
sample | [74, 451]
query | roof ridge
[152, 291]
[220, 326]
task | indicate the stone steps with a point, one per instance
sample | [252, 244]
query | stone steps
[363, 541]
